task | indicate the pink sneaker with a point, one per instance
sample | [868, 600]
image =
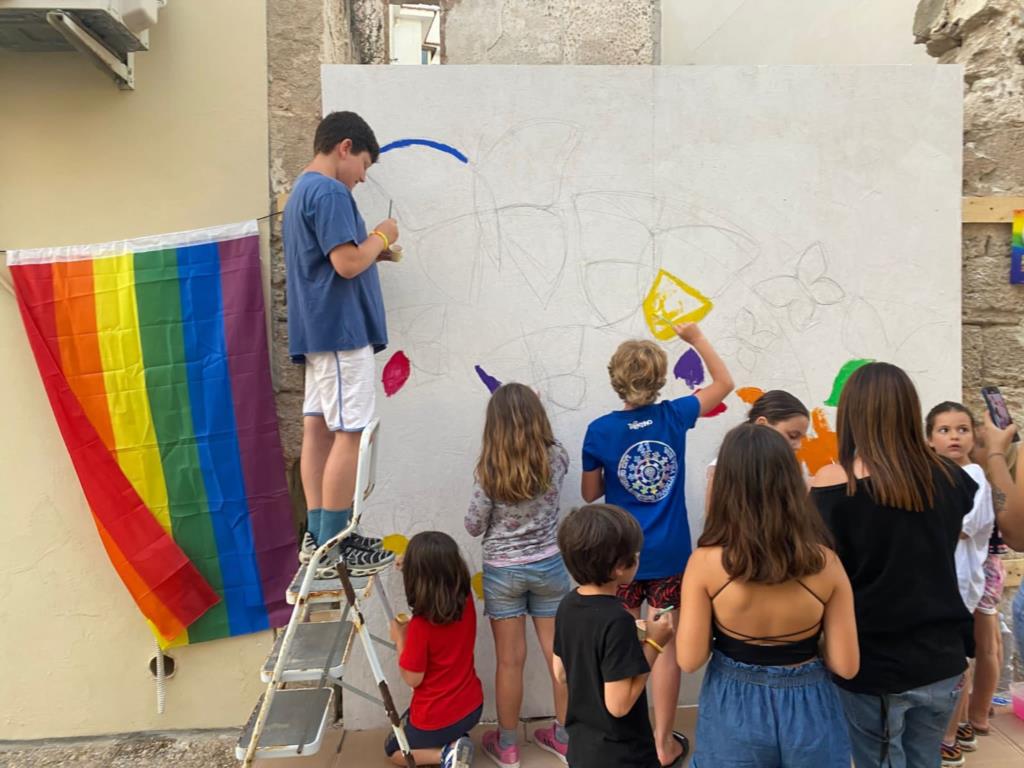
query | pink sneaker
[545, 739]
[505, 758]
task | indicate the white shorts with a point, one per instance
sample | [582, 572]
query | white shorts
[340, 386]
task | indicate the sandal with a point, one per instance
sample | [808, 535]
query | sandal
[684, 742]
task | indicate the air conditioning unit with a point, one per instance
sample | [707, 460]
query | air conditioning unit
[108, 32]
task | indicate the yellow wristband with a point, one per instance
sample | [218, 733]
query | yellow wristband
[653, 645]
[382, 237]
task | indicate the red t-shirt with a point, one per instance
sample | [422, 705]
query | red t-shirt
[444, 654]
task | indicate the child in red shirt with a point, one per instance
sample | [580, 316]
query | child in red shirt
[436, 655]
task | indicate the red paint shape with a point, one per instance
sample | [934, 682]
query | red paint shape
[720, 408]
[395, 373]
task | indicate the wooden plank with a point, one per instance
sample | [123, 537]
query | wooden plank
[1014, 571]
[991, 210]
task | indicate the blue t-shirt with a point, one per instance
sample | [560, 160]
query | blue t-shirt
[327, 312]
[642, 453]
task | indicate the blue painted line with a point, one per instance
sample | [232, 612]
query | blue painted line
[402, 143]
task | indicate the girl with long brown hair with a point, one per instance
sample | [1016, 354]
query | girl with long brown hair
[435, 654]
[895, 509]
[515, 507]
[759, 592]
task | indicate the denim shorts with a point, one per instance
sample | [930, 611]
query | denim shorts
[769, 717]
[901, 730]
[531, 588]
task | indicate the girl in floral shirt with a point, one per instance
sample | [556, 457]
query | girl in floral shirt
[515, 507]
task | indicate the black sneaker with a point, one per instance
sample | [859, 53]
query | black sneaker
[363, 562]
[308, 548]
[358, 541]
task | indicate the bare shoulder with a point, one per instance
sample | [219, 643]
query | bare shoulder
[830, 474]
[705, 565]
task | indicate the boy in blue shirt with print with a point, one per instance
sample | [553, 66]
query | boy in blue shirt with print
[335, 326]
[635, 459]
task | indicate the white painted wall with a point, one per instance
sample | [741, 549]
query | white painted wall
[789, 32]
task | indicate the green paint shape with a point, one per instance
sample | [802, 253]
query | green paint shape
[840, 381]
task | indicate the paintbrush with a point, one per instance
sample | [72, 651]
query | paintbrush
[394, 250]
[667, 609]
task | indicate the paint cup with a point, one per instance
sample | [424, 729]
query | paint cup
[641, 629]
[402, 618]
[396, 252]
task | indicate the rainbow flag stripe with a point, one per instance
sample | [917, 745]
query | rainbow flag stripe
[153, 353]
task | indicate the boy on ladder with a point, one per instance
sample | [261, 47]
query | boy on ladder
[335, 326]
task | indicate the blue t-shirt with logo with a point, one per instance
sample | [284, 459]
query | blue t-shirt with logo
[327, 312]
[642, 453]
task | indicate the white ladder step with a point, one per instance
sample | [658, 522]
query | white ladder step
[298, 718]
[313, 643]
[324, 590]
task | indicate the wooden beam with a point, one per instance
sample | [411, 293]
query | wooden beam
[991, 210]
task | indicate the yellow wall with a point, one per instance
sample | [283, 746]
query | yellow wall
[81, 161]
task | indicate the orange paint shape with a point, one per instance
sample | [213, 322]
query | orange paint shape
[749, 395]
[395, 542]
[822, 449]
[477, 582]
[670, 302]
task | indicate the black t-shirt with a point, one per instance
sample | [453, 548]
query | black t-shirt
[912, 624]
[595, 637]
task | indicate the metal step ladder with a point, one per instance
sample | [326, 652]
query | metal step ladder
[305, 670]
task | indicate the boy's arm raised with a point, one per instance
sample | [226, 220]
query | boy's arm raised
[721, 380]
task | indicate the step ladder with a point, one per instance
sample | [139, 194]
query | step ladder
[305, 670]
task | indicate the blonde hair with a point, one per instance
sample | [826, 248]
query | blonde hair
[514, 465]
[637, 371]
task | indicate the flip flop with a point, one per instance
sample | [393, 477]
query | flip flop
[685, 744]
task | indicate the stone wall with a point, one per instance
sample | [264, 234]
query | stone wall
[550, 31]
[987, 38]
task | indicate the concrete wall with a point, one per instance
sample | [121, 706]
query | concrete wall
[789, 32]
[85, 162]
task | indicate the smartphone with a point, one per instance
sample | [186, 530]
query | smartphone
[997, 408]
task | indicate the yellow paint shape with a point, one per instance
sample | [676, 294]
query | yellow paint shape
[671, 302]
[477, 583]
[395, 542]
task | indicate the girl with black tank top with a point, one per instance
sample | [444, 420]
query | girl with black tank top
[759, 593]
[895, 509]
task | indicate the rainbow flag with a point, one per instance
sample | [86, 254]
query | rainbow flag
[1017, 249]
[153, 353]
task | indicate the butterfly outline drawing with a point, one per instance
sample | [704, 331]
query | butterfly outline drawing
[804, 290]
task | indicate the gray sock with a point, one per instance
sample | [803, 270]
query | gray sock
[506, 737]
[561, 734]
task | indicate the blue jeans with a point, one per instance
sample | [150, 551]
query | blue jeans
[531, 588]
[900, 730]
[769, 717]
[1018, 621]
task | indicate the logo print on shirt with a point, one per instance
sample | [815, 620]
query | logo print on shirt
[648, 469]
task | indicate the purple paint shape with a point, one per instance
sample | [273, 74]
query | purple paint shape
[690, 369]
[489, 381]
